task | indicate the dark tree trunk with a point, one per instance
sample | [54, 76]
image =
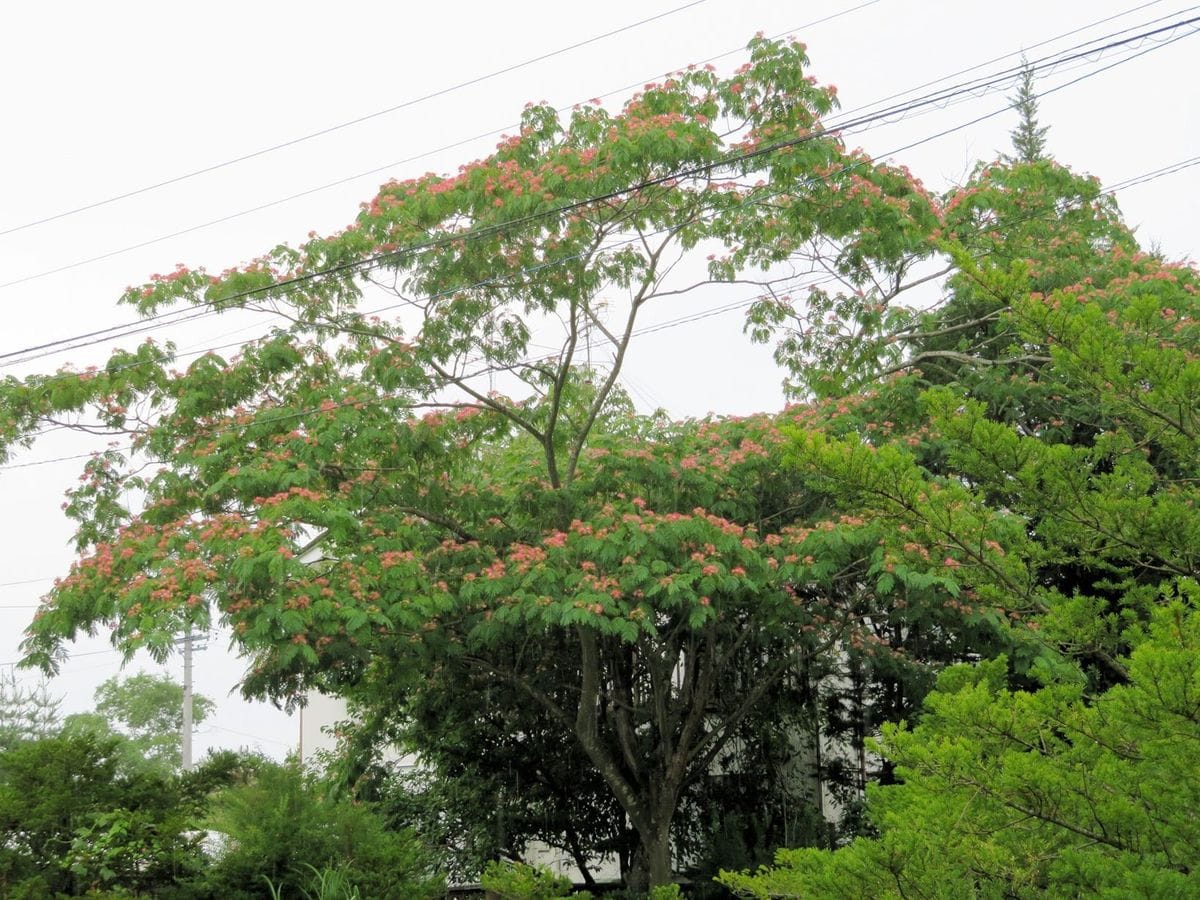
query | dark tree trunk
[651, 863]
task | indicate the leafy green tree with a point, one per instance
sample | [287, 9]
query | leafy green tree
[147, 711]
[1099, 480]
[681, 572]
[1054, 226]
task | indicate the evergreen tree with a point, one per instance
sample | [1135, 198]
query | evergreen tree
[1028, 139]
[26, 714]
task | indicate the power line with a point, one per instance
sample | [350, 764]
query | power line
[1155, 174]
[245, 734]
[115, 331]
[350, 122]
[1041, 43]
[464, 141]
[15, 662]
[350, 178]
[67, 656]
[978, 87]
[23, 582]
[975, 86]
[1148, 176]
[1155, 46]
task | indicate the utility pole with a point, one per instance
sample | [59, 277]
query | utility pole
[188, 641]
[186, 728]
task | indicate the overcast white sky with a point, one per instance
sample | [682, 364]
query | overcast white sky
[103, 99]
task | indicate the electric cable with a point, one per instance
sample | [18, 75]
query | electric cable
[376, 171]
[464, 141]
[1041, 43]
[441, 92]
[1049, 62]
[25, 581]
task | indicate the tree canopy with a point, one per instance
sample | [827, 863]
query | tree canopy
[147, 712]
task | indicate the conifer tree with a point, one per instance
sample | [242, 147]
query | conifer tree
[25, 713]
[1028, 139]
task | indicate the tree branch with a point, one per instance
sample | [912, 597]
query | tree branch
[965, 358]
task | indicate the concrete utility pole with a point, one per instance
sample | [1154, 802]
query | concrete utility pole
[186, 728]
[189, 642]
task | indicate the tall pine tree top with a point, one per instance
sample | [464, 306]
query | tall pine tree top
[1029, 140]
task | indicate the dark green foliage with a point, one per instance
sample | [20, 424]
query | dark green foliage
[75, 819]
[1043, 794]
[78, 820]
[495, 776]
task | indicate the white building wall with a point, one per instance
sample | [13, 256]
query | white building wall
[316, 720]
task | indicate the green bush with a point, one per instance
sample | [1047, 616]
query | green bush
[517, 881]
[283, 834]
[75, 819]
